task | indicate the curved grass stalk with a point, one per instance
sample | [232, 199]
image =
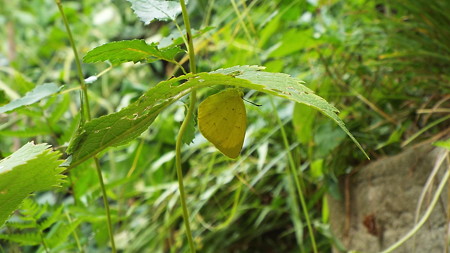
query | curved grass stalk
[425, 190]
[424, 129]
[75, 234]
[84, 97]
[86, 116]
[233, 211]
[295, 175]
[424, 218]
[427, 186]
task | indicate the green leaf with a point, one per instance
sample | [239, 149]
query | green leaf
[26, 133]
[149, 10]
[60, 232]
[31, 168]
[303, 121]
[38, 93]
[3, 99]
[52, 219]
[23, 239]
[32, 211]
[394, 137]
[60, 108]
[21, 224]
[189, 134]
[293, 41]
[326, 139]
[443, 144]
[130, 50]
[123, 126]
[269, 30]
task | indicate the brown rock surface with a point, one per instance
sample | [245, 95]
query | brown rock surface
[383, 198]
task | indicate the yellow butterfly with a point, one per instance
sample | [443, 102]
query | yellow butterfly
[222, 120]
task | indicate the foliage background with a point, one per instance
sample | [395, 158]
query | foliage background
[382, 63]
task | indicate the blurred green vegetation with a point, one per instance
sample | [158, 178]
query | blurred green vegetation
[384, 64]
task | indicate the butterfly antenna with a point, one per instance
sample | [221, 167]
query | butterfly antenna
[253, 103]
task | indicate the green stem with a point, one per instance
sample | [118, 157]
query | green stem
[179, 142]
[75, 234]
[106, 204]
[294, 173]
[43, 242]
[190, 44]
[86, 113]
[241, 21]
[85, 98]
[180, 182]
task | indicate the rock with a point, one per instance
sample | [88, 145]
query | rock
[383, 198]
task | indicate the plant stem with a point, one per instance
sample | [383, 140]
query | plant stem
[179, 142]
[85, 99]
[190, 44]
[295, 175]
[424, 129]
[181, 184]
[106, 204]
[87, 117]
[43, 242]
[75, 235]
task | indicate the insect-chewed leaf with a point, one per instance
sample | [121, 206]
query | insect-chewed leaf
[123, 126]
[130, 50]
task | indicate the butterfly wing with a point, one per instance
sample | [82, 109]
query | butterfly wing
[223, 121]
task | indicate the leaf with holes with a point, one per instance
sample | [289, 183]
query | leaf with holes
[131, 51]
[123, 126]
